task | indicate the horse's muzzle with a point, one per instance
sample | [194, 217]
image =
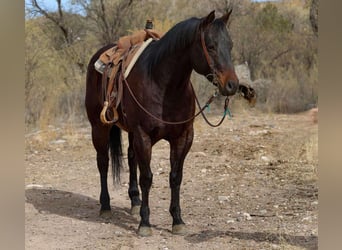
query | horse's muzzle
[228, 83]
[229, 89]
[232, 87]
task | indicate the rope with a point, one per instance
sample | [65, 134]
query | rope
[226, 110]
[187, 120]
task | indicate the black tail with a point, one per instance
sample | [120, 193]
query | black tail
[115, 152]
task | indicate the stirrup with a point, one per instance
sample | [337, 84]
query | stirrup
[103, 115]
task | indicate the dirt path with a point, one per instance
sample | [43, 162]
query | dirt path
[249, 184]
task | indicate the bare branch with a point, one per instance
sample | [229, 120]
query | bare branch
[40, 10]
[60, 11]
[57, 20]
[280, 54]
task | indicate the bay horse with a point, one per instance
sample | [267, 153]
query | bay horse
[160, 82]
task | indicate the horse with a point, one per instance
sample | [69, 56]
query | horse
[160, 83]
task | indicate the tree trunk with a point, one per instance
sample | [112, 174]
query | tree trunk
[314, 16]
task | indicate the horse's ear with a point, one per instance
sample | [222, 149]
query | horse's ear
[226, 16]
[208, 19]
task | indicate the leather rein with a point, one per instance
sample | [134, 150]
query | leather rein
[201, 109]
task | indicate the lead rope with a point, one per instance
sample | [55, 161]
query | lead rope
[189, 119]
[226, 110]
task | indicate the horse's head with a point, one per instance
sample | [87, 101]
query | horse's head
[212, 53]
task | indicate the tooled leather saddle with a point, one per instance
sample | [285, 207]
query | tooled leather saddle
[115, 64]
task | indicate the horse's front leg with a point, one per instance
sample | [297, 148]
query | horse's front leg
[142, 149]
[179, 149]
[133, 190]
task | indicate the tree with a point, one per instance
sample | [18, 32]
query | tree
[314, 16]
[108, 20]
[42, 74]
[58, 18]
[274, 38]
[67, 31]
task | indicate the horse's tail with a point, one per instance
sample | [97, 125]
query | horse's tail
[115, 152]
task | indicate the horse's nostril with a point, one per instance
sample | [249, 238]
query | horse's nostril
[230, 85]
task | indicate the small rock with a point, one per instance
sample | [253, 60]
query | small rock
[265, 158]
[307, 218]
[33, 186]
[274, 246]
[60, 141]
[236, 138]
[314, 203]
[263, 211]
[223, 198]
[247, 216]
[201, 154]
[259, 132]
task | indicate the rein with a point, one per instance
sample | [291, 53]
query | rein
[201, 109]
[226, 110]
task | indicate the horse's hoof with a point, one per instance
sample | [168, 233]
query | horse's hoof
[179, 229]
[144, 231]
[135, 210]
[106, 214]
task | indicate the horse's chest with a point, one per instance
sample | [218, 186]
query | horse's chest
[167, 132]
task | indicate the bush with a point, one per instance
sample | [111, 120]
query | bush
[290, 92]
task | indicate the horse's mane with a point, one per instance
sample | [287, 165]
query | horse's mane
[177, 38]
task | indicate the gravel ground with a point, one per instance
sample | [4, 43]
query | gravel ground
[249, 184]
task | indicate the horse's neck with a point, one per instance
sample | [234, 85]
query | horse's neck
[173, 72]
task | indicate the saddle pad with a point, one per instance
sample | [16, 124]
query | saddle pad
[136, 56]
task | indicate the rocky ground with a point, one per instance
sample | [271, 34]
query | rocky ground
[249, 184]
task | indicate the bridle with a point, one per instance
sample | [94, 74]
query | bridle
[201, 109]
[215, 80]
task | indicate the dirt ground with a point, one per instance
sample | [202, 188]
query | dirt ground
[249, 184]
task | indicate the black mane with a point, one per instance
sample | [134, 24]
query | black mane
[177, 38]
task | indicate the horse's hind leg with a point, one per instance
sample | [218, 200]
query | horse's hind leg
[100, 136]
[133, 190]
[179, 149]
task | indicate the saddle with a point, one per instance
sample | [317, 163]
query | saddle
[115, 65]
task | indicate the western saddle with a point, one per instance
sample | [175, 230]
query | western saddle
[115, 65]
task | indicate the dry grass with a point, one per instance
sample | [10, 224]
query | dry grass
[311, 152]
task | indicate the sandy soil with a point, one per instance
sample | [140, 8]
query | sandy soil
[249, 184]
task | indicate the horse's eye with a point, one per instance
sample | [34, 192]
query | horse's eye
[211, 47]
